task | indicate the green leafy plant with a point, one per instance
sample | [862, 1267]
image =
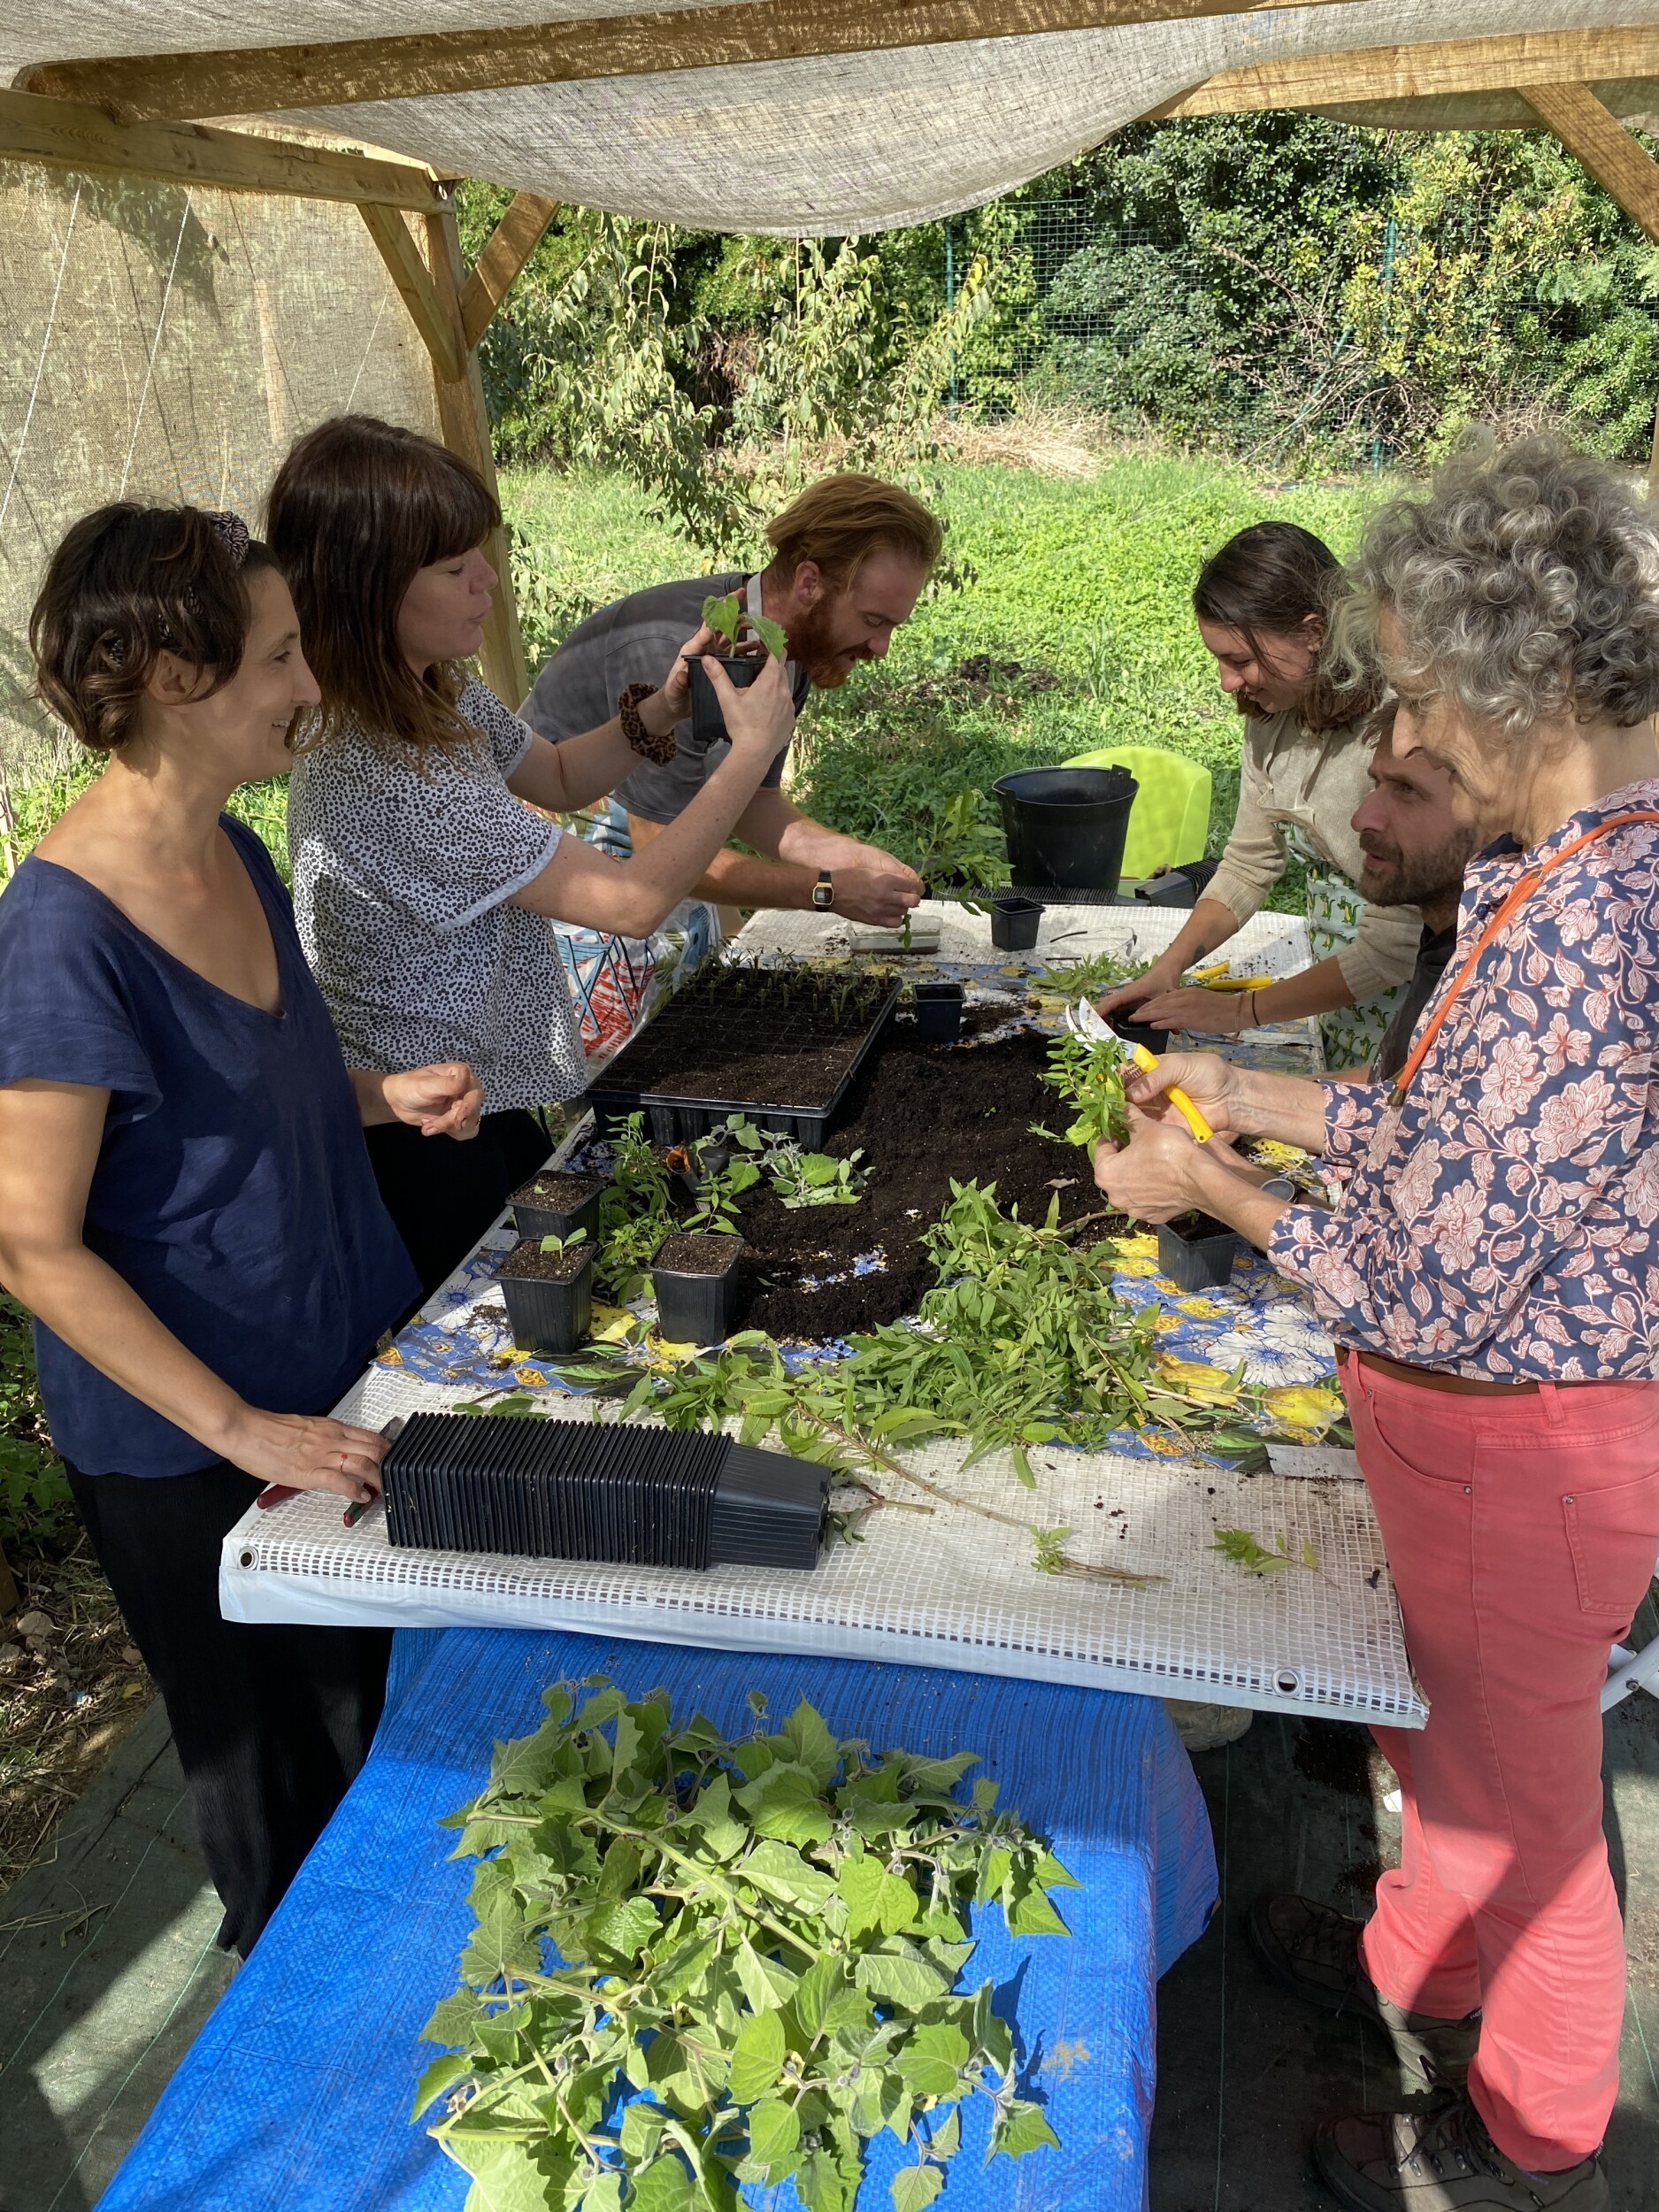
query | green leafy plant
[635, 1214]
[36, 1510]
[1090, 1079]
[564, 1244]
[728, 617]
[1090, 977]
[718, 1190]
[757, 1944]
[814, 1178]
[1245, 1550]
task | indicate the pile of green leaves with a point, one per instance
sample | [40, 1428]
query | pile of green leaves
[800, 1177]
[757, 1943]
[1089, 1076]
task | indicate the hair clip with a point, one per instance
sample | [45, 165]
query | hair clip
[231, 531]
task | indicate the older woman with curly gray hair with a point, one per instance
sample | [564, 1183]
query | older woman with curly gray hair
[1491, 1274]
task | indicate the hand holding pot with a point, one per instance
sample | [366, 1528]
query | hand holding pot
[1212, 1013]
[443, 1101]
[672, 703]
[760, 717]
[1157, 980]
[304, 1451]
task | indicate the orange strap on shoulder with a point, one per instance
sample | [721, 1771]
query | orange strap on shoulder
[1517, 898]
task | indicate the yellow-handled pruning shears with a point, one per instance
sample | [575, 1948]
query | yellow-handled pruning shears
[1215, 978]
[1083, 1022]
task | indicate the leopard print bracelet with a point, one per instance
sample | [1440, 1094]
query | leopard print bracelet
[660, 750]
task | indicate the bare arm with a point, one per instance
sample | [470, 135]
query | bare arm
[50, 1135]
[1210, 924]
[1236, 1102]
[443, 1101]
[1315, 990]
[870, 884]
[633, 896]
[565, 777]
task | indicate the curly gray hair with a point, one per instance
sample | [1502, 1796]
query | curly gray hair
[1525, 586]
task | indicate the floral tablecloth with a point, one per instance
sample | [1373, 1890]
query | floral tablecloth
[1258, 1329]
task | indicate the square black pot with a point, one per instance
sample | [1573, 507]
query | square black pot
[1156, 1041]
[1014, 923]
[555, 1221]
[549, 1317]
[1201, 1256]
[696, 1309]
[708, 720]
[937, 1013]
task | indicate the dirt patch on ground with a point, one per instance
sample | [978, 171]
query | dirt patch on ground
[922, 1115]
[69, 1692]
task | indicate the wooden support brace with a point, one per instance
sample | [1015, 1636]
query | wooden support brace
[511, 244]
[68, 135]
[437, 318]
[1614, 159]
[465, 422]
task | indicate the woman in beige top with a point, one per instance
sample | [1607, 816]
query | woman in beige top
[1261, 606]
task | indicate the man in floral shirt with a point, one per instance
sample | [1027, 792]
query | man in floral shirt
[1491, 1275]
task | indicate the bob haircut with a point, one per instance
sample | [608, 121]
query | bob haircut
[1525, 586]
[839, 521]
[357, 509]
[1265, 582]
[127, 584]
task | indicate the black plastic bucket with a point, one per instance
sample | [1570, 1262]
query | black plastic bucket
[1066, 827]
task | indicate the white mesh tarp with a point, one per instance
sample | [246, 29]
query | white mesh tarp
[836, 144]
[163, 344]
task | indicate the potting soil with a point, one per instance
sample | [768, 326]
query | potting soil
[563, 1194]
[922, 1116]
[693, 1252]
[528, 1261]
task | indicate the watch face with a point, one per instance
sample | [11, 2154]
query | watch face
[823, 895]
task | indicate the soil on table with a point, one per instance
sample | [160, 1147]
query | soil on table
[922, 1114]
[775, 1052]
[561, 1265]
[695, 1252]
[560, 1193]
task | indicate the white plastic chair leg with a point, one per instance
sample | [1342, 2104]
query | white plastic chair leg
[1628, 1671]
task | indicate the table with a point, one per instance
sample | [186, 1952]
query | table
[296, 2092]
[942, 1590]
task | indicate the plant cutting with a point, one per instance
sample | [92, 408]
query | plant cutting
[729, 618]
[548, 1284]
[699, 1961]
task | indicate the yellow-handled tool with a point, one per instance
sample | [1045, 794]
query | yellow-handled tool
[1202, 1131]
[1083, 1022]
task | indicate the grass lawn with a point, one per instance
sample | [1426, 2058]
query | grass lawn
[1086, 584]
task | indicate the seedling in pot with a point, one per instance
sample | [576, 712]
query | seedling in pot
[728, 617]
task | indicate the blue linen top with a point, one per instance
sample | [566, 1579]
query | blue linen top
[233, 1190]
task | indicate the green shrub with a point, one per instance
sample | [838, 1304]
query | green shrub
[36, 1512]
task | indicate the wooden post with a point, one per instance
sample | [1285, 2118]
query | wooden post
[431, 287]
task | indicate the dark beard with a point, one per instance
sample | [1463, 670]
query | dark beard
[1432, 875]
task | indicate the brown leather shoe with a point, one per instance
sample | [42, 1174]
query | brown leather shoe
[1313, 1952]
[1443, 2159]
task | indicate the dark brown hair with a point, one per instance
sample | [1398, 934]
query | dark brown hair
[1267, 580]
[357, 509]
[839, 521]
[126, 584]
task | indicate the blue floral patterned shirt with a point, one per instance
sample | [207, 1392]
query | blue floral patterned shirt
[1503, 1222]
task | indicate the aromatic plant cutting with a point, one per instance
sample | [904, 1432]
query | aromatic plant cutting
[728, 617]
[1089, 1076]
[757, 1947]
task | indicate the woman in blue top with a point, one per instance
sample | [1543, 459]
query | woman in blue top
[186, 1201]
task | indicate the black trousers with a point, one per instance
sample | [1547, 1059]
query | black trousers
[443, 1194]
[271, 1723]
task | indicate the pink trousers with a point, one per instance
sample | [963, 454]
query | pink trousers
[1522, 1532]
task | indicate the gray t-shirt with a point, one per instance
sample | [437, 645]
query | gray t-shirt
[633, 641]
[405, 866]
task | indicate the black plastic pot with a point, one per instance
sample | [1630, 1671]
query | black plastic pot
[556, 1221]
[1156, 1041]
[1014, 922]
[937, 1013]
[1066, 827]
[708, 721]
[549, 1317]
[697, 1308]
[1196, 1252]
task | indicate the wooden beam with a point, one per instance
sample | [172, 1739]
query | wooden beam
[463, 419]
[262, 80]
[1621, 166]
[1434, 69]
[437, 318]
[71, 135]
[509, 246]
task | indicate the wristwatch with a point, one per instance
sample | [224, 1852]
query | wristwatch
[823, 890]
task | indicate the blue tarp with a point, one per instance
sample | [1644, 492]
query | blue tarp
[296, 2092]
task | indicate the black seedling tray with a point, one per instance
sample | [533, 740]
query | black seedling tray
[673, 1118]
[550, 1489]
